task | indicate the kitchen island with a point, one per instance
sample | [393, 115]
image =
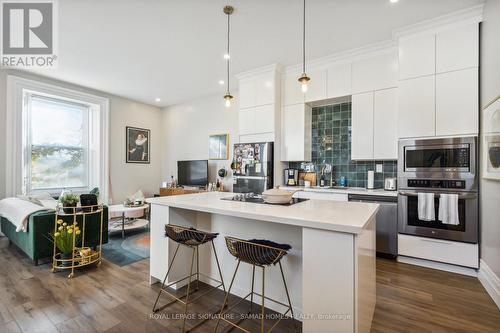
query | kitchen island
[330, 270]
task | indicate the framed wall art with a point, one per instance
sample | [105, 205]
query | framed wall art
[138, 145]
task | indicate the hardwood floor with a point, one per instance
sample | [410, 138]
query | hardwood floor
[119, 299]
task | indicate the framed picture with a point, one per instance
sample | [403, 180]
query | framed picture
[138, 145]
[218, 147]
[491, 140]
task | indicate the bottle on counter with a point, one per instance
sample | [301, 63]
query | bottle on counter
[322, 180]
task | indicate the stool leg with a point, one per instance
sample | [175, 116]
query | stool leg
[288, 297]
[165, 279]
[197, 268]
[251, 295]
[218, 267]
[187, 294]
[227, 296]
[262, 308]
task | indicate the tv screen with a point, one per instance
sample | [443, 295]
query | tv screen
[192, 173]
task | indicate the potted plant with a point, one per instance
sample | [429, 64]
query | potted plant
[63, 239]
[69, 200]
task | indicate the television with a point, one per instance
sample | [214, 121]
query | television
[192, 173]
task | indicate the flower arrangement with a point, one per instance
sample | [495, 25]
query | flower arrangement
[69, 200]
[63, 237]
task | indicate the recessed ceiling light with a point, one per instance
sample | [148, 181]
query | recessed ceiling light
[221, 82]
[157, 99]
[227, 56]
[393, 1]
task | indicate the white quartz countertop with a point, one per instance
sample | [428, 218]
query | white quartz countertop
[347, 217]
[348, 190]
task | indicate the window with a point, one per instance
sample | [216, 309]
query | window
[57, 138]
[57, 151]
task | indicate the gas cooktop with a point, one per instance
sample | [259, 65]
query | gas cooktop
[255, 198]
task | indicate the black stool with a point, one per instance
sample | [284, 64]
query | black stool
[259, 253]
[191, 238]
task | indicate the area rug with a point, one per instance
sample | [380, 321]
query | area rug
[125, 251]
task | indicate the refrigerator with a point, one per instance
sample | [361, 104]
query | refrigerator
[252, 167]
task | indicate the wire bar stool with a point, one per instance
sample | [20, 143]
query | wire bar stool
[258, 253]
[191, 238]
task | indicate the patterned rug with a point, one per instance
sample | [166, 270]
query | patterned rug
[125, 251]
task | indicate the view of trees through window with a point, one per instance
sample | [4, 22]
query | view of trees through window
[58, 143]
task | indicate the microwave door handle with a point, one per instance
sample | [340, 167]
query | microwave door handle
[437, 195]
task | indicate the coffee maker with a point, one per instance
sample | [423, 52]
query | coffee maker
[291, 177]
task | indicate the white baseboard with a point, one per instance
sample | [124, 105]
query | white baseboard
[438, 265]
[490, 281]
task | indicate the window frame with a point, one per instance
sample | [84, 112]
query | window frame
[16, 142]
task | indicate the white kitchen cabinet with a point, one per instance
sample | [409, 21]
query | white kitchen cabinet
[296, 133]
[362, 126]
[338, 80]
[259, 119]
[291, 92]
[257, 90]
[385, 111]
[417, 107]
[457, 48]
[417, 56]
[375, 73]
[457, 110]
[316, 88]
[323, 196]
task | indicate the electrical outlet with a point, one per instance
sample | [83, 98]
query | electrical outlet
[379, 168]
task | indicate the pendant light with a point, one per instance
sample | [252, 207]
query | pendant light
[304, 79]
[228, 10]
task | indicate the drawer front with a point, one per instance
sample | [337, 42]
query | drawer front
[323, 196]
[456, 253]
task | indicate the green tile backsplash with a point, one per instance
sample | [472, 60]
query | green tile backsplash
[331, 143]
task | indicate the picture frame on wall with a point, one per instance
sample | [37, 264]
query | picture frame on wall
[218, 147]
[138, 145]
[491, 140]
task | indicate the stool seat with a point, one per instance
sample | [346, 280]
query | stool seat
[188, 236]
[257, 251]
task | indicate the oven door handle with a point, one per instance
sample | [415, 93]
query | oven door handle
[437, 195]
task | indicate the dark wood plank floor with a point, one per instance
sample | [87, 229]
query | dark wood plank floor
[119, 299]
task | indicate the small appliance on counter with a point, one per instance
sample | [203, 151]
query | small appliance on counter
[390, 184]
[291, 177]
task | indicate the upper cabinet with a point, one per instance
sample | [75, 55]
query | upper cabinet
[375, 73]
[417, 56]
[362, 126]
[296, 133]
[316, 90]
[385, 119]
[457, 48]
[257, 90]
[338, 80]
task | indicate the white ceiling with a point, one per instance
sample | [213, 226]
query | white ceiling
[173, 49]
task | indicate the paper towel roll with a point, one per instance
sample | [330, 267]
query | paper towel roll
[371, 179]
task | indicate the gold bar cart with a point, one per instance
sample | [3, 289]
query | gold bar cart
[81, 255]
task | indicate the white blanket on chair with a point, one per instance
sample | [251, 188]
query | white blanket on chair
[17, 211]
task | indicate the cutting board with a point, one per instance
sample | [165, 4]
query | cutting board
[308, 176]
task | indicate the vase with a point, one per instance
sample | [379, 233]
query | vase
[66, 256]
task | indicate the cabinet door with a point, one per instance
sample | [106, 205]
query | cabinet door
[457, 110]
[290, 90]
[375, 73]
[417, 56]
[338, 81]
[385, 138]
[457, 48]
[417, 107]
[247, 93]
[246, 121]
[264, 118]
[293, 133]
[265, 88]
[317, 86]
[362, 127]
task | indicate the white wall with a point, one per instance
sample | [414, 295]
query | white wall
[490, 88]
[186, 128]
[125, 178]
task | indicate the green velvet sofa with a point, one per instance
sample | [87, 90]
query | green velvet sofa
[36, 242]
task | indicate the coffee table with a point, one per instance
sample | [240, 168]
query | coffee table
[124, 211]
